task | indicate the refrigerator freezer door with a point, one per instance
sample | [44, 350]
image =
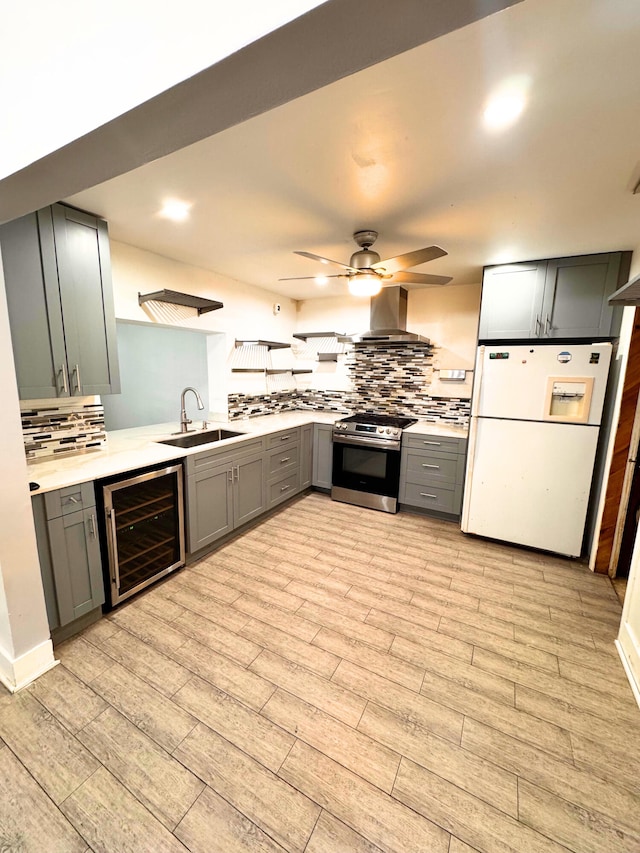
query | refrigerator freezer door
[513, 380]
[529, 483]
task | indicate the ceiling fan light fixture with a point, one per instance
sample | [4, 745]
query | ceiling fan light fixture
[365, 284]
[321, 280]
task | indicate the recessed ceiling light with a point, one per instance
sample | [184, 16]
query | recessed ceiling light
[506, 104]
[321, 280]
[175, 210]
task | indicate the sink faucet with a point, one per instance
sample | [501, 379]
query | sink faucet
[184, 420]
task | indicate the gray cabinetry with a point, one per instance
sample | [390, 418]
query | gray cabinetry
[306, 456]
[225, 489]
[558, 298]
[69, 552]
[283, 458]
[322, 455]
[58, 283]
[432, 473]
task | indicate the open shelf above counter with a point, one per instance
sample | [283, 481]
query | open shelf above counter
[304, 336]
[187, 300]
[267, 344]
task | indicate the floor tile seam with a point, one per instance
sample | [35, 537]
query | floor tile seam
[153, 648]
[473, 609]
[363, 666]
[458, 617]
[478, 643]
[354, 729]
[321, 810]
[121, 780]
[571, 684]
[281, 630]
[596, 720]
[429, 649]
[62, 722]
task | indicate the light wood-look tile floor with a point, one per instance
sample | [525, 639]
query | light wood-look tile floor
[335, 680]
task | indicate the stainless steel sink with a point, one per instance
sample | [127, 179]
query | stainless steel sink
[193, 439]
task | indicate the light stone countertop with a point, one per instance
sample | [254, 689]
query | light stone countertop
[442, 430]
[128, 449]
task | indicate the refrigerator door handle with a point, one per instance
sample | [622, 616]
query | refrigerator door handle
[477, 381]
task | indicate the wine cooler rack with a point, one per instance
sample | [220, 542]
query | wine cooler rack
[144, 529]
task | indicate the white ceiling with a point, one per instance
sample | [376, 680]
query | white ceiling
[401, 148]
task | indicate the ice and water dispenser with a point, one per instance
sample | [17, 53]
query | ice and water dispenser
[568, 399]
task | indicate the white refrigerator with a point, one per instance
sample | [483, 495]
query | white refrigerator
[535, 419]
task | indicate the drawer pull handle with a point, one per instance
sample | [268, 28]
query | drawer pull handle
[284, 488]
[92, 526]
[285, 437]
[435, 443]
[285, 459]
[72, 500]
[427, 495]
[426, 465]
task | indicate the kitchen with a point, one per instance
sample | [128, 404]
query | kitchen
[436, 299]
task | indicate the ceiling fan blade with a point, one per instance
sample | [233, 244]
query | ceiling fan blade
[417, 278]
[410, 259]
[325, 260]
[309, 277]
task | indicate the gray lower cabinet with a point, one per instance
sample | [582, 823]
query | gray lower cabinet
[432, 473]
[69, 552]
[225, 489]
[322, 455]
[557, 298]
[59, 297]
[284, 457]
[306, 456]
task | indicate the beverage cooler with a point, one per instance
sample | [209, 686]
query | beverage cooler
[142, 529]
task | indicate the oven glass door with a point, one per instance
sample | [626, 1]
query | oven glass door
[366, 469]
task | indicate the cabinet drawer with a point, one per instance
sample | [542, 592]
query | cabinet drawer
[283, 488]
[435, 443]
[219, 455]
[279, 439]
[70, 499]
[432, 468]
[439, 498]
[285, 458]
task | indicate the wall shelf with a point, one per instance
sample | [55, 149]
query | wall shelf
[268, 344]
[328, 356]
[201, 304]
[268, 370]
[303, 336]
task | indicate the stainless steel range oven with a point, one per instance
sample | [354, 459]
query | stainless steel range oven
[366, 460]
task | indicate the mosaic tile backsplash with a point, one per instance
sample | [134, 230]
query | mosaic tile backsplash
[62, 428]
[384, 378]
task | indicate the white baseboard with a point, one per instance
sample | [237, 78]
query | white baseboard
[635, 687]
[17, 673]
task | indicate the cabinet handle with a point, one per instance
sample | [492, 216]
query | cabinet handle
[230, 474]
[65, 378]
[285, 437]
[284, 488]
[92, 526]
[114, 549]
[285, 459]
[434, 443]
[427, 495]
[72, 500]
[426, 465]
[547, 325]
[76, 370]
[238, 473]
[538, 324]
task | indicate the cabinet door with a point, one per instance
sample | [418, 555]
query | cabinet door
[209, 506]
[84, 271]
[306, 456]
[249, 492]
[575, 296]
[322, 455]
[76, 563]
[512, 297]
[33, 301]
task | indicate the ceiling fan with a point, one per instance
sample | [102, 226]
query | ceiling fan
[367, 273]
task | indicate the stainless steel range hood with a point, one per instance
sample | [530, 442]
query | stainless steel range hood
[388, 321]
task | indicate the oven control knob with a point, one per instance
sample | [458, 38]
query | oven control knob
[388, 429]
[380, 429]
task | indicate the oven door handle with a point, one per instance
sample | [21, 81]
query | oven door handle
[360, 440]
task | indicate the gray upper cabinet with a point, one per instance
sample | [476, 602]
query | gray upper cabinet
[512, 301]
[559, 298]
[58, 282]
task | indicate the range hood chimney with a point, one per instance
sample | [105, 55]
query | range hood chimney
[388, 321]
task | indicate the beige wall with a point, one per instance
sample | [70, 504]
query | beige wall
[448, 316]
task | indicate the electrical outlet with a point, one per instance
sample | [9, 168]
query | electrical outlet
[277, 308]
